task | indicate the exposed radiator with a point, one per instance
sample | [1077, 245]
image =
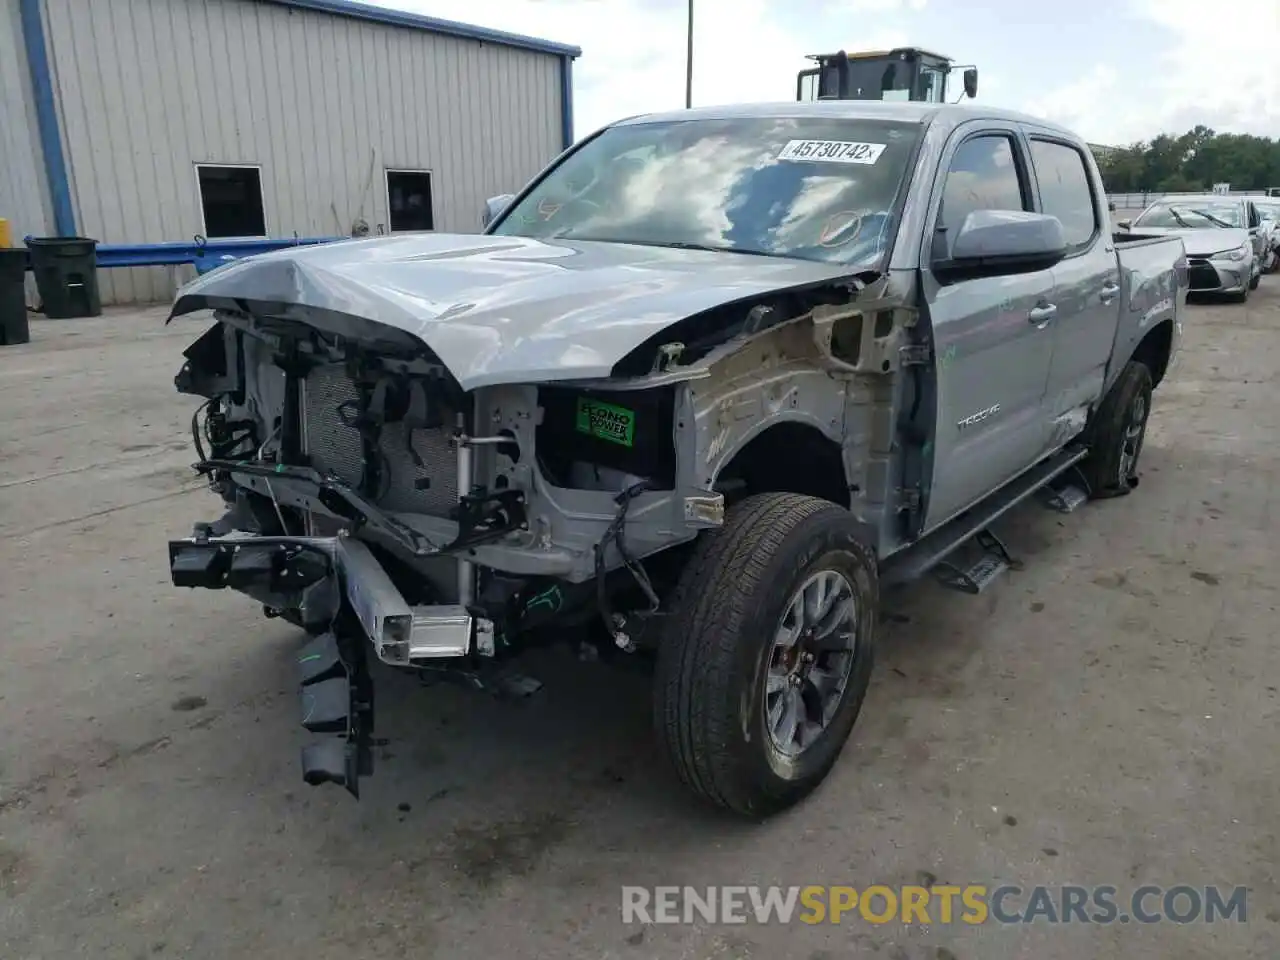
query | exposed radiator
[335, 447]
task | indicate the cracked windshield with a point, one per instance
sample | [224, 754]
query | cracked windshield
[815, 189]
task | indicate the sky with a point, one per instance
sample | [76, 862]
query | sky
[1115, 71]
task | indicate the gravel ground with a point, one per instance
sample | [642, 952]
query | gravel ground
[1104, 715]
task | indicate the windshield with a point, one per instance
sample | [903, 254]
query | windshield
[813, 188]
[1192, 214]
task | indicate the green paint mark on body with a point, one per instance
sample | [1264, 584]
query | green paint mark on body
[606, 421]
[550, 598]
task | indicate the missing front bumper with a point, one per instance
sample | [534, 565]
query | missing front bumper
[315, 575]
[342, 595]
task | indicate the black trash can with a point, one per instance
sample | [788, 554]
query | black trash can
[66, 271]
[13, 296]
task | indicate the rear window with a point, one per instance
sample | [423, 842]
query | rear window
[1065, 192]
[813, 188]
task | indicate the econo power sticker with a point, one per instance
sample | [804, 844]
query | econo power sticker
[831, 151]
[606, 421]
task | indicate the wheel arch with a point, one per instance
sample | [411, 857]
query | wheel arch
[1155, 350]
[788, 455]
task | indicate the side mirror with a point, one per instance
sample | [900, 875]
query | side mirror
[971, 82]
[1111, 206]
[1124, 224]
[494, 206]
[995, 242]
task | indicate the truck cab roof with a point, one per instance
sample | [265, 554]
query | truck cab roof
[877, 54]
[948, 114]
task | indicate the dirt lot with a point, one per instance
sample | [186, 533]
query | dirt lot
[1106, 715]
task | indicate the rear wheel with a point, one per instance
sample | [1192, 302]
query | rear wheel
[1117, 434]
[764, 664]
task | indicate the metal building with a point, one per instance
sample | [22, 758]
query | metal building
[151, 121]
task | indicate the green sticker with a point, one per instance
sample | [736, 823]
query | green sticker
[606, 421]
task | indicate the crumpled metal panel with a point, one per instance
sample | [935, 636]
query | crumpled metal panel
[498, 310]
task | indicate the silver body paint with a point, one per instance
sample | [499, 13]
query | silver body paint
[505, 315]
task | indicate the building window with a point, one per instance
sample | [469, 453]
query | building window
[231, 201]
[409, 200]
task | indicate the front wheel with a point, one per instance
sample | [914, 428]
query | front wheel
[1117, 433]
[765, 661]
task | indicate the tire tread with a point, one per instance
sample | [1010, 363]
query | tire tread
[711, 602]
[1103, 462]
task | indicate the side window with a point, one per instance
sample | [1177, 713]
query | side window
[983, 176]
[808, 85]
[1065, 190]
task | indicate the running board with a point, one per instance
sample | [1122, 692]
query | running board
[1068, 492]
[975, 578]
[1067, 499]
[929, 551]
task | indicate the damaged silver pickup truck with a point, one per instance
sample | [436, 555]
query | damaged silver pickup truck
[710, 381]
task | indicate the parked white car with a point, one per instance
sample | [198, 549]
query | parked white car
[1269, 211]
[1223, 239]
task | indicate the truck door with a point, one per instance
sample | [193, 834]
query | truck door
[1086, 284]
[992, 338]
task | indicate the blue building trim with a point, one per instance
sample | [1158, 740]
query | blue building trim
[183, 251]
[566, 100]
[55, 162]
[416, 21]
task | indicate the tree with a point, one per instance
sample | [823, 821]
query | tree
[1196, 160]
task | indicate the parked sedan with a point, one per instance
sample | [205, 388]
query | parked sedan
[1269, 210]
[1222, 235]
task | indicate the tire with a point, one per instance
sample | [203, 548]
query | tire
[717, 652]
[1253, 284]
[1117, 434]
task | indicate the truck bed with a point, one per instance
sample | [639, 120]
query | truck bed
[1153, 288]
[1127, 238]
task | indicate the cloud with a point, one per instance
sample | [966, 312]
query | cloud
[1075, 104]
[1183, 75]
[1157, 69]
[1232, 76]
[634, 50]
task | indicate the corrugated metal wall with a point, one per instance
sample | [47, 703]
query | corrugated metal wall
[323, 104]
[24, 199]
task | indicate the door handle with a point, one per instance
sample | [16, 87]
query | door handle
[1042, 314]
[1109, 292]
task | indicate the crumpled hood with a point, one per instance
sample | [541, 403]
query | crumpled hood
[504, 309]
[1203, 242]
